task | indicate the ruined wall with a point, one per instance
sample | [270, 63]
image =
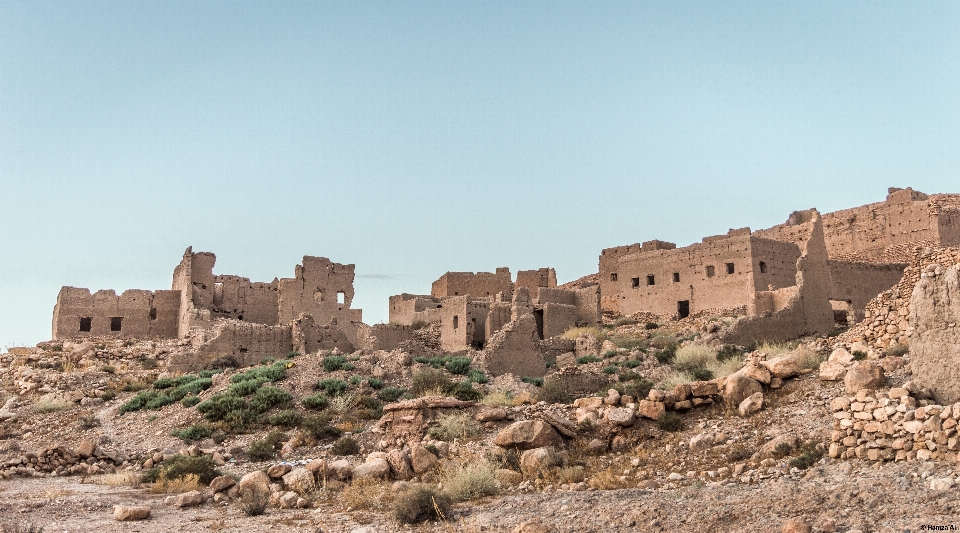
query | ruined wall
[232, 343]
[407, 309]
[238, 298]
[774, 264]
[498, 315]
[456, 328]
[935, 343]
[558, 318]
[858, 283]
[135, 313]
[533, 280]
[383, 336]
[609, 270]
[514, 350]
[588, 306]
[320, 288]
[308, 337]
[193, 277]
[657, 281]
[477, 284]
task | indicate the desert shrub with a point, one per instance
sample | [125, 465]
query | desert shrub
[274, 372]
[782, 449]
[455, 426]
[267, 360]
[610, 369]
[508, 459]
[810, 453]
[180, 466]
[391, 394]
[663, 340]
[333, 386]
[664, 357]
[332, 363]
[458, 365]
[261, 450]
[219, 405]
[701, 374]
[194, 432]
[532, 380]
[552, 391]
[159, 401]
[345, 446]
[629, 343]
[88, 422]
[254, 502]
[293, 353]
[194, 387]
[209, 373]
[375, 384]
[464, 391]
[109, 369]
[807, 358]
[108, 395]
[728, 351]
[186, 483]
[670, 421]
[631, 363]
[673, 379]
[287, 418]
[355, 380]
[137, 402]
[897, 350]
[629, 375]
[471, 481]
[244, 388]
[429, 381]
[477, 376]
[318, 427]
[624, 321]
[498, 398]
[316, 402]
[586, 359]
[610, 353]
[168, 382]
[190, 401]
[692, 356]
[239, 420]
[859, 355]
[419, 504]
[369, 403]
[577, 332]
[637, 387]
[268, 397]
[651, 325]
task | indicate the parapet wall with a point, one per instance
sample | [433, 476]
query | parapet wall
[476, 284]
[135, 313]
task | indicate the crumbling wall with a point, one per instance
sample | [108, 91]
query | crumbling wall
[238, 298]
[408, 309]
[308, 336]
[858, 283]
[193, 277]
[135, 313]
[557, 318]
[497, 316]
[232, 343]
[383, 336]
[534, 280]
[320, 288]
[609, 274]
[477, 284]
[935, 343]
[514, 350]
[456, 328]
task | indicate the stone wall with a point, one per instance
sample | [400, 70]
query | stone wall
[407, 309]
[514, 350]
[858, 283]
[232, 343]
[609, 276]
[477, 284]
[935, 343]
[534, 280]
[135, 313]
[308, 337]
[383, 336]
[320, 288]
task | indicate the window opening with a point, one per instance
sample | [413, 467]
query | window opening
[676, 277]
[763, 267]
[683, 308]
[710, 271]
[116, 323]
[538, 316]
[613, 276]
[730, 269]
[456, 321]
[85, 322]
[341, 297]
[635, 282]
[153, 313]
[650, 280]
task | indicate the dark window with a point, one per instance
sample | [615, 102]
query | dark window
[635, 282]
[730, 269]
[613, 276]
[85, 322]
[683, 308]
[650, 280]
[710, 271]
[676, 277]
[763, 267]
[153, 313]
[116, 323]
[456, 321]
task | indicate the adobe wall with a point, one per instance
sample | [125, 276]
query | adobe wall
[858, 283]
[406, 309]
[193, 277]
[586, 301]
[498, 315]
[232, 343]
[322, 289]
[533, 280]
[558, 318]
[704, 280]
[514, 350]
[308, 337]
[935, 343]
[477, 284]
[456, 327]
[238, 298]
[383, 336]
[135, 313]
[609, 274]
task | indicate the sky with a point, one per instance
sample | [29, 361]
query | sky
[415, 138]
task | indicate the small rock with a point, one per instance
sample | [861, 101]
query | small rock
[751, 404]
[129, 513]
[278, 471]
[796, 525]
[422, 461]
[531, 526]
[188, 499]
[538, 460]
[221, 483]
[943, 483]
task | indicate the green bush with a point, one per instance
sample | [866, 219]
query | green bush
[586, 359]
[637, 387]
[159, 401]
[261, 450]
[287, 418]
[477, 376]
[345, 446]
[375, 384]
[664, 356]
[267, 360]
[332, 363]
[631, 363]
[194, 432]
[190, 401]
[316, 402]
[368, 408]
[240, 419]
[180, 466]
[139, 401]
[333, 386]
[610, 369]
[458, 365]
[217, 406]
[810, 453]
[194, 387]
[553, 392]
[651, 325]
[268, 397]
[670, 421]
[210, 373]
[532, 380]
[292, 354]
[355, 380]
[610, 353]
[274, 372]
[419, 504]
[391, 394]
[701, 374]
[628, 376]
[318, 426]
[429, 381]
[728, 351]
[859, 355]
[464, 392]
[624, 321]
[897, 350]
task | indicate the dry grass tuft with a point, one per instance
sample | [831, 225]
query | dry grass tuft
[366, 494]
[471, 481]
[120, 479]
[574, 333]
[183, 484]
[49, 403]
[455, 426]
[498, 398]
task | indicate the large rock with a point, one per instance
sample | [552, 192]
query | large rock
[300, 480]
[422, 460]
[738, 388]
[86, 448]
[935, 344]
[864, 375]
[783, 367]
[400, 464]
[128, 513]
[751, 404]
[341, 469]
[255, 482]
[841, 355]
[621, 416]
[188, 499]
[527, 435]
[832, 371]
[538, 460]
[377, 468]
[651, 409]
[756, 372]
[278, 471]
[221, 483]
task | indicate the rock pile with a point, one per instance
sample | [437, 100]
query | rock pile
[87, 459]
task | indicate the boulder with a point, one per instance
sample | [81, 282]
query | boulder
[538, 460]
[129, 513]
[527, 435]
[86, 449]
[531, 526]
[491, 415]
[864, 375]
[341, 469]
[278, 471]
[288, 500]
[221, 483]
[188, 499]
[755, 372]
[832, 371]
[783, 367]
[704, 389]
[701, 441]
[300, 480]
[421, 460]
[738, 388]
[621, 416]
[508, 477]
[377, 468]
[650, 409]
[400, 464]
[254, 482]
[751, 404]
[841, 355]
[796, 525]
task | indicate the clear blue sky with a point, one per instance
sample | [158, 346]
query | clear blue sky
[413, 138]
